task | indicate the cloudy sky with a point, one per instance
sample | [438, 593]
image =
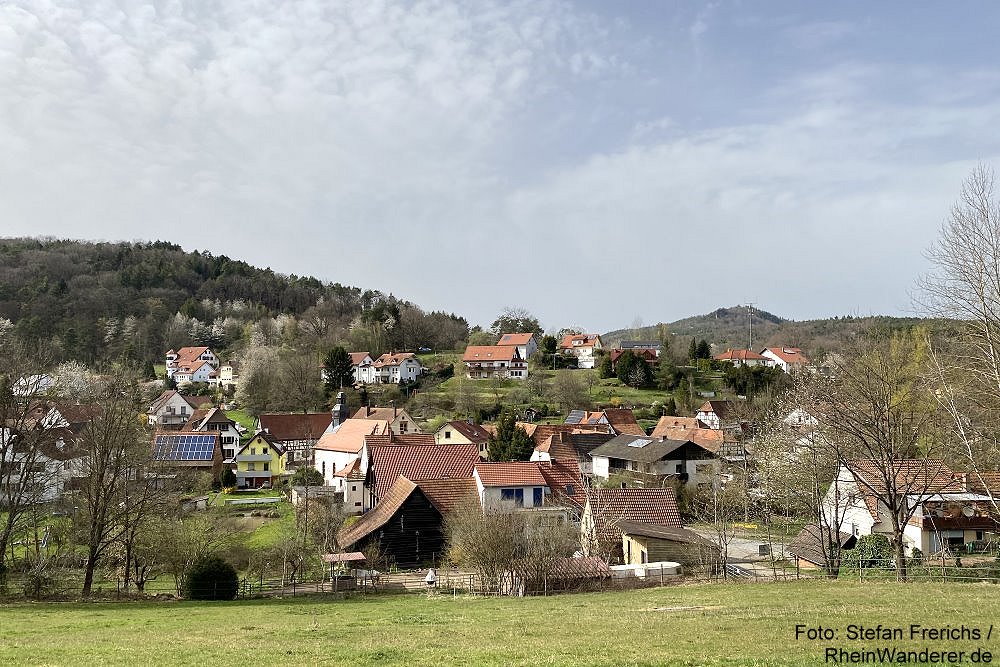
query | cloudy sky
[594, 162]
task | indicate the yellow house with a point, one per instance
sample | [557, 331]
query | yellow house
[260, 462]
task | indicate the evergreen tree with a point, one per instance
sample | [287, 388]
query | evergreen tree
[339, 369]
[606, 369]
[693, 351]
[704, 350]
[509, 442]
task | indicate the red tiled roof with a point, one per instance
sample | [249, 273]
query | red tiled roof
[390, 359]
[351, 471]
[790, 355]
[309, 426]
[541, 432]
[407, 439]
[564, 479]
[447, 494]
[515, 339]
[188, 356]
[739, 355]
[358, 357]
[350, 435]
[385, 414]
[622, 420]
[667, 423]
[585, 340]
[490, 353]
[655, 506]
[514, 473]
[389, 462]
[909, 476]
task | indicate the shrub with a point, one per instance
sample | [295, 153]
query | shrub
[211, 578]
[228, 478]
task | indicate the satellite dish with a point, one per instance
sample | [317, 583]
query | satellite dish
[968, 511]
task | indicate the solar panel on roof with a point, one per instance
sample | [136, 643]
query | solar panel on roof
[639, 443]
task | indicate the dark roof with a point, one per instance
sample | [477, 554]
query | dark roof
[622, 420]
[387, 463]
[643, 449]
[473, 432]
[185, 447]
[639, 345]
[808, 544]
[309, 426]
[671, 533]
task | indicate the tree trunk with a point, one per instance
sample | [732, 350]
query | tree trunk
[88, 578]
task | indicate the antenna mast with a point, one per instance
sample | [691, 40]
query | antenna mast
[750, 322]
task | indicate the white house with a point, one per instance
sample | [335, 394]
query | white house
[518, 484]
[742, 358]
[171, 410]
[692, 462]
[215, 420]
[344, 444]
[488, 361]
[951, 509]
[400, 421]
[788, 359]
[524, 342]
[716, 414]
[393, 368]
[39, 472]
[582, 346]
[189, 362]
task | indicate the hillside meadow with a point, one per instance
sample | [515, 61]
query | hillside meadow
[748, 624]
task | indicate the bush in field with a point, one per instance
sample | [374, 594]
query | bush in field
[211, 578]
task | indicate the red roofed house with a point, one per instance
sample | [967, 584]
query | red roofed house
[742, 358]
[518, 483]
[487, 361]
[396, 367]
[389, 462]
[171, 410]
[952, 508]
[298, 433]
[364, 371]
[524, 342]
[788, 359]
[343, 444]
[582, 346]
[400, 421]
[191, 364]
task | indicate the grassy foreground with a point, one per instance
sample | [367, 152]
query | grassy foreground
[750, 624]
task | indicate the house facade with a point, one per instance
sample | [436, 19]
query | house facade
[260, 462]
[190, 363]
[655, 459]
[172, 410]
[298, 433]
[396, 367]
[400, 421]
[788, 359]
[524, 342]
[742, 358]
[517, 484]
[463, 433]
[494, 361]
[582, 346]
[214, 420]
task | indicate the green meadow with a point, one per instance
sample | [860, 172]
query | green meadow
[748, 624]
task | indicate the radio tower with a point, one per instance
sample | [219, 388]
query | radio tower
[750, 322]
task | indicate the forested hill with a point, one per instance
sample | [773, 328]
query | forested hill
[96, 301]
[730, 328]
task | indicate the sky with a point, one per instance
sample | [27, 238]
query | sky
[599, 164]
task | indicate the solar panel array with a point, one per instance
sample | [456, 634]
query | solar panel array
[185, 447]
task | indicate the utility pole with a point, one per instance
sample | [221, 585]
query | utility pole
[750, 322]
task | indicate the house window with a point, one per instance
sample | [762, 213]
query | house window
[447, 435]
[267, 465]
[251, 466]
[570, 490]
[357, 504]
[354, 487]
[324, 468]
[515, 495]
[644, 557]
[536, 497]
[253, 451]
[403, 426]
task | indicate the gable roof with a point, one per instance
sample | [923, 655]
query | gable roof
[393, 359]
[472, 432]
[284, 427]
[720, 408]
[572, 445]
[790, 355]
[541, 432]
[643, 449]
[358, 357]
[513, 473]
[490, 353]
[808, 544]
[406, 439]
[386, 463]
[571, 341]
[909, 477]
[672, 533]
[351, 471]
[349, 435]
[380, 414]
[186, 447]
[261, 435]
[515, 339]
[622, 420]
[388, 505]
[657, 507]
[565, 481]
[707, 438]
[447, 494]
[739, 355]
[666, 423]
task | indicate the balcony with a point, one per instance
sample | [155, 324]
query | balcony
[247, 458]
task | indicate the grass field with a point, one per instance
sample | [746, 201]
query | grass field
[750, 624]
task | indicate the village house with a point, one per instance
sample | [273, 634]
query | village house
[620, 420]
[192, 364]
[392, 457]
[788, 359]
[655, 459]
[517, 484]
[494, 361]
[298, 433]
[571, 446]
[524, 342]
[343, 445]
[171, 410]
[582, 346]
[396, 367]
[362, 365]
[742, 358]
[199, 451]
[400, 421]
[651, 357]
[638, 346]
[42, 471]
[463, 433]
[260, 462]
[215, 420]
[718, 414]
[952, 509]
